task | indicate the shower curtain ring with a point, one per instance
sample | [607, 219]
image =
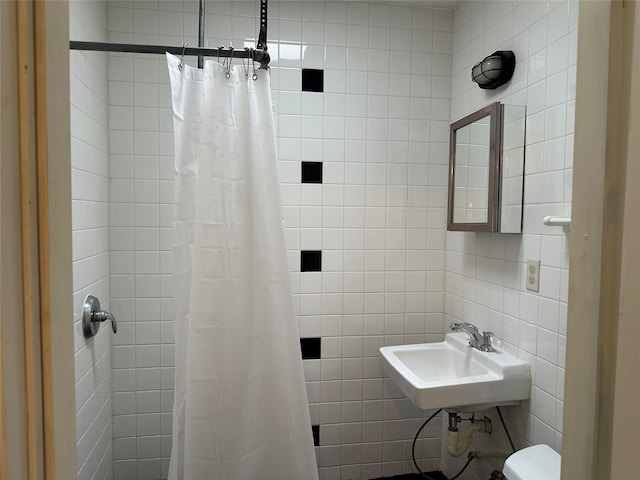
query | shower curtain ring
[228, 74]
[253, 65]
[220, 47]
[246, 66]
[184, 47]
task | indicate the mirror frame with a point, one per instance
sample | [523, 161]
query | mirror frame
[494, 111]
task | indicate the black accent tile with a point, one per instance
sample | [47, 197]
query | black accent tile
[311, 348]
[311, 172]
[312, 80]
[311, 260]
[316, 434]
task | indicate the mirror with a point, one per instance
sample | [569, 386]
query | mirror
[512, 169]
[486, 170]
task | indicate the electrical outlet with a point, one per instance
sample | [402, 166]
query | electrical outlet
[533, 275]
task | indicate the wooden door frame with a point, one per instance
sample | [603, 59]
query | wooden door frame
[60, 241]
[36, 350]
[599, 408]
[593, 415]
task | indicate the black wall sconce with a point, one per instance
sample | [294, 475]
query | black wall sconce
[494, 70]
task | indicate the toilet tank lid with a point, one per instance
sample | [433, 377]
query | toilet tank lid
[539, 462]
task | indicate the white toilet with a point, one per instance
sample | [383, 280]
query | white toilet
[539, 462]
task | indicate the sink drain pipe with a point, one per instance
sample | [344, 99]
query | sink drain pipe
[458, 442]
[483, 425]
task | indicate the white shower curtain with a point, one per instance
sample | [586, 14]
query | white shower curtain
[240, 410]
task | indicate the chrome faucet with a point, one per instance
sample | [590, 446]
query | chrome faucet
[477, 339]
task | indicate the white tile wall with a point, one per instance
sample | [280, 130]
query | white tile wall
[485, 272]
[381, 129]
[90, 178]
[141, 213]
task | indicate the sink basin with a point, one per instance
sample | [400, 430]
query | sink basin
[453, 375]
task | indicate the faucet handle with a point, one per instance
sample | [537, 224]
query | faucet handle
[102, 316]
[93, 315]
[486, 342]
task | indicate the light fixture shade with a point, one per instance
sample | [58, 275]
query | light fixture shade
[494, 70]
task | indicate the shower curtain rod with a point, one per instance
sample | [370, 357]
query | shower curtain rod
[254, 54]
[258, 54]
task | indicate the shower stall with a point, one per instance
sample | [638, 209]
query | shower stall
[361, 96]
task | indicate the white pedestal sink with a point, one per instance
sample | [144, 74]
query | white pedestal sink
[453, 375]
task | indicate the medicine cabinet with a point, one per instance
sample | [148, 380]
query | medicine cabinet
[486, 170]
